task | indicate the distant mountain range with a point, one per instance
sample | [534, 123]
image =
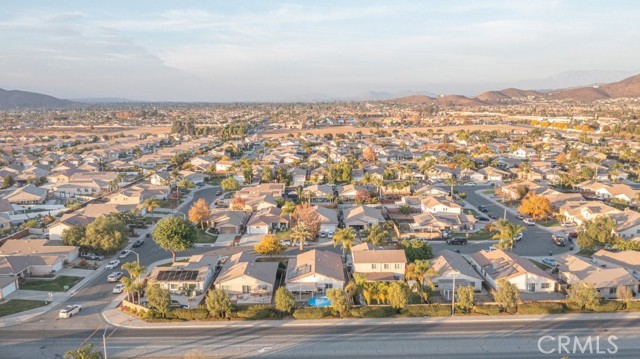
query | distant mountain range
[16, 98]
[627, 88]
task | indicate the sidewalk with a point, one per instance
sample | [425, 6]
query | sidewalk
[57, 299]
[118, 318]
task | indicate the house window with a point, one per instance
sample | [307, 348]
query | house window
[226, 287]
[374, 266]
[328, 286]
[396, 266]
[544, 285]
[386, 266]
[246, 289]
[612, 290]
[531, 287]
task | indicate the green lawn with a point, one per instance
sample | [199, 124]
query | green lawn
[19, 305]
[551, 223]
[475, 236]
[205, 237]
[470, 211]
[282, 235]
[229, 195]
[215, 181]
[55, 285]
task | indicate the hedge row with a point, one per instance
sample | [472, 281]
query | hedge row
[263, 312]
[541, 308]
[427, 310]
[258, 312]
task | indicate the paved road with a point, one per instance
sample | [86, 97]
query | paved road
[209, 195]
[536, 240]
[512, 339]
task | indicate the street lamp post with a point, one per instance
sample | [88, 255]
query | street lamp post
[137, 255]
[104, 341]
[453, 294]
[505, 212]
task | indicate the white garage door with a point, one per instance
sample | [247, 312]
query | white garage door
[8, 290]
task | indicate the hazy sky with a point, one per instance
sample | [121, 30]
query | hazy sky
[273, 50]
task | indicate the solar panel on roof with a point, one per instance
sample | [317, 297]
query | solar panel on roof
[177, 275]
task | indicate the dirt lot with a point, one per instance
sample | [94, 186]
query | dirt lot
[344, 129]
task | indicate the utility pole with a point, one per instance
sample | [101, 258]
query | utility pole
[453, 294]
[104, 341]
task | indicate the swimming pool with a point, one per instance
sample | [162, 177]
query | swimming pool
[319, 302]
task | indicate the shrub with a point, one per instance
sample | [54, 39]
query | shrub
[487, 309]
[609, 306]
[428, 310]
[190, 314]
[541, 308]
[313, 313]
[258, 312]
[633, 306]
[373, 312]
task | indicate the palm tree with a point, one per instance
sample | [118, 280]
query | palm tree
[300, 233]
[356, 286]
[422, 272]
[376, 235]
[129, 287]
[369, 292]
[135, 270]
[345, 238]
[506, 233]
[150, 204]
[382, 292]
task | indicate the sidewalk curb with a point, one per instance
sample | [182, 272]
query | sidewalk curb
[138, 324]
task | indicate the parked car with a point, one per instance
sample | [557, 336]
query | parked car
[567, 224]
[138, 243]
[113, 264]
[549, 261]
[528, 221]
[70, 311]
[491, 215]
[119, 288]
[218, 193]
[572, 236]
[483, 219]
[518, 238]
[492, 248]
[482, 209]
[114, 277]
[470, 184]
[124, 254]
[457, 241]
[519, 216]
[323, 234]
[93, 257]
[559, 240]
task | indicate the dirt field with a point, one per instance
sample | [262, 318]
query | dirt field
[344, 129]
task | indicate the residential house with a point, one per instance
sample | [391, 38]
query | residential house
[328, 219]
[451, 264]
[227, 221]
[195, 275]
[433, 204]
[245, 279]
[378, 264]
[498, 264]
[315, 272]
[67, 221]
[606, 281]
[266, 221]
[28, 194]
[629, 260]
[362, 216]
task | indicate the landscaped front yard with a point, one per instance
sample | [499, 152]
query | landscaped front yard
[282, 235]
[205, 237]
[19, 305]
[46, 285]
[480, 235]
